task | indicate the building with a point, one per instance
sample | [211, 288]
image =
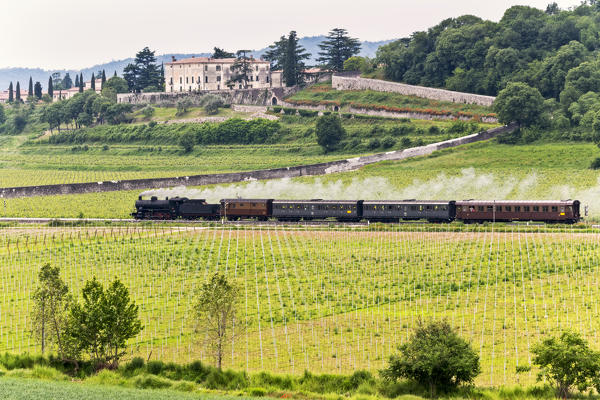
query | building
[5, 94]
[65, 94]
[202, 73]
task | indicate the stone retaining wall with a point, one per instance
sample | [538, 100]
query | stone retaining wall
[289, 172]
[356, 83]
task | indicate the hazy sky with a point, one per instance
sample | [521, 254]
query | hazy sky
[81, 33]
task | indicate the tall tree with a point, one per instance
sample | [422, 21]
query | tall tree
[81, 83]
[93, 82]
[293, 66]
[216, 314]
[276, 53]
[220, 53]
[103, 78]
[10, 93]
[50, 87]
[18, 92]
[337, 48]
[76, 80]
[143, 72]
[67, 81]
[57, 82]
[162, 77]
[241, 69]
[51, 303]
[30, 89]
[115, 74]
[37, 90]
[2, 115]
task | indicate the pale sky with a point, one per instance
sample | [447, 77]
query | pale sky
[80, 33]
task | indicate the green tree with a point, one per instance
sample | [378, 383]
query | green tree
[103, 78]
[293, 65]
[567, 362]
[183, 105]
[67, 81]
[93, 82]
[76, 80]
[520, 103]
[436, 357]
[220, 53]
[51, 302]
[81, 83]
[216, 314]
[2, 115]
[30, 89]
[329, 131]
[103, 322]
[10, 93]
[18, 92]
[187, 141]
[50, 87]
[211, 103]
[241, 69]
[337, 48]
[276, 54]
[148, 111]
[143, 72]
[118, 84]
[57, 82]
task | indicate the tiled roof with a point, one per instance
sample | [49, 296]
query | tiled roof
[208, 60]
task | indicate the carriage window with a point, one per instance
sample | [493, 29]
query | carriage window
[536, 208]
[507, 208]
[554, 209]
[499, 208]
[517, 208]
[526, 209]
[420, 208]
[464, 208]
[389, 207]
[569, 208]
[253, 204]
[545, 208]
[480, 208]
[562, 209]
[490, 208]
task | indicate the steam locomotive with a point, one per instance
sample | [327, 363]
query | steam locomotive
[468, 211]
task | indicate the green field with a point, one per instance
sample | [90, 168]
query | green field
[324, 94]
[325, 301]
[32, 389]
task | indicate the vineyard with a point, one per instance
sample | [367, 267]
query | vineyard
[326, 300]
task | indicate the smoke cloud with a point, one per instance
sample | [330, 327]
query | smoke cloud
[467, 185]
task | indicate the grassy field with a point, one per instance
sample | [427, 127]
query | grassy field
[32, 389]
[326, 301]
[324, 94]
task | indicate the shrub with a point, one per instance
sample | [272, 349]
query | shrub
[510, 138]
[329, 132]
[347, 115]
[135, 363]
[353, 144]
[374, 144]
[183, 106]
[434, 130]
[530, 135]
[105, 147]
[257, 391]
[308, 113]
[148, 111]
[595, 164]
[435, 357]
[388, 142]
[152, 124]
[155, 367]
[406, 142]
[151, 382]
[187, 141]
[326, 112]
[212, 103]
[277, 109]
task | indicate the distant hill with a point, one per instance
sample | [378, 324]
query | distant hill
[22, 75]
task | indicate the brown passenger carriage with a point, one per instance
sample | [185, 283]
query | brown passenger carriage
[234, 209]
[546, 211]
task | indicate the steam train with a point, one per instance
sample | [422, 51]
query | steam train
[468, 211]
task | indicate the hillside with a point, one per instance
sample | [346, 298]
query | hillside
[22, 75]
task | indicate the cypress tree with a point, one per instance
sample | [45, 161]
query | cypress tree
[115, 75]
[10, 93]
[37, 90]
[81, 83]
[50, 88]
[67, 82]
[18, 92]
[103, 78]
[30, 91]
[93, 83]
[76, 80]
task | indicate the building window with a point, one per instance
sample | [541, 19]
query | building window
[180, 89]
[187, 79]
[206, 67]
[206, 79]
[171, 81]
[180, 80]
[218, 67]
[257, 67]
[257, 79]
[192, 79]
[218, 78]
[240, 85]
[267, 78]
[251, 78]
[198, 80]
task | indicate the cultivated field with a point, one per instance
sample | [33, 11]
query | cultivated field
[325, 300]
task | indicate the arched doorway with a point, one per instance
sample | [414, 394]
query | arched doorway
[274, 101]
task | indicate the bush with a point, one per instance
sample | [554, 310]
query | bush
[148, 111]
[257, 391]
[183, 106]
[151, 382]
[401, 130]
[347, 115]
[212, 103]
[434, 130]
[436, 357]
[277, 109]
[530, 135]
[595, 164]
[388, 142]
[353, 144]
[329, 132]
[155, 367]
[135, 363]
[289, 111]
[374, 144]
[152, 124]
[308, 113]
[406, 142]
[510, 138]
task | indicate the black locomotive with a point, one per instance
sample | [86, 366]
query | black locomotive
[565, 211]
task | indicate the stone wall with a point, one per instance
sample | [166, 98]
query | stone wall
[259, 97]
[356, 83]
[289, 172]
